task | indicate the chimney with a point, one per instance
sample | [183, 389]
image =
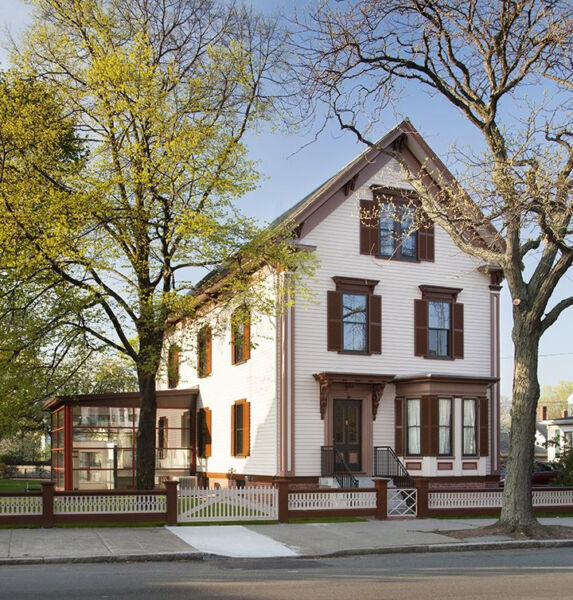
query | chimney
[543, 413]
[564, 414]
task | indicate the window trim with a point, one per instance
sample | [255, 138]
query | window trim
[364, 287]
[451, 427]
[370, 225]
[398, 202]
[433, 293]
[476, 427]
[407, 427]
[245, 431]
[237, 322]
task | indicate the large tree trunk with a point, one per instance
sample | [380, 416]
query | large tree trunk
[517, 510]
[145, 449]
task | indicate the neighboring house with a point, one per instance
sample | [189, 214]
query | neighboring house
[559, 431]
[398, 348]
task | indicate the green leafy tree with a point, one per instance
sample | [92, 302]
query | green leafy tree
[158, 97]
[484, 59]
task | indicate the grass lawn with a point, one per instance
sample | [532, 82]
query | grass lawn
[19, 485]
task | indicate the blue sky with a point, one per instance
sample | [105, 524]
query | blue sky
[291, 169]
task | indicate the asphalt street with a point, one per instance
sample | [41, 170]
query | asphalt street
[513, 574]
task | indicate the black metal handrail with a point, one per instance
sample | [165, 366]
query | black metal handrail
[334, 465]
[387, 464]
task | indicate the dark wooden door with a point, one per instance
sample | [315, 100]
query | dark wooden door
[347, 435]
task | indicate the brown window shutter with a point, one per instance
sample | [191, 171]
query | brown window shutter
[208, 344]
[334, 321]
[246, 428]
[483, 427]
[200, 432]
[458, 330]
[426, 242]
[247, 337]
[420, 327]
[426, 432]
[375, 325]
[369, 241]
[399, 426]
[207, 438]
[233, 432]
[434, 431]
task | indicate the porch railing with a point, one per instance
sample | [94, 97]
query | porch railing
[387, 464]
[334, 465]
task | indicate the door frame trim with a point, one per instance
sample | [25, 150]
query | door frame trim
[352, 391]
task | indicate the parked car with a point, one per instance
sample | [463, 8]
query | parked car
[544, 473]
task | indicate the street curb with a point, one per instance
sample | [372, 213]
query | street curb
[107, 558]
[448, 547]
[199, 556]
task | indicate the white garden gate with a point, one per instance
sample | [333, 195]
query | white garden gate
[231, 504]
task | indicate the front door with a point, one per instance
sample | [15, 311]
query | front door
[347, 431]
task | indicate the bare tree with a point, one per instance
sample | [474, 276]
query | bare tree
[489, 60]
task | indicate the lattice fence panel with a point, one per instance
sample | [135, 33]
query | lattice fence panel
[402, 502]
[20, 505]
[232, 504]
[465, 499]
[110, 504]
[331, 500]
[553, 497]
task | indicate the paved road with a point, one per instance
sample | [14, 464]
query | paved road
[513, 575]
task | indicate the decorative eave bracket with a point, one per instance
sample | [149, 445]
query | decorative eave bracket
[377, 383]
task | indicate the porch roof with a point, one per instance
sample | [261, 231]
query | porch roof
[183, 398]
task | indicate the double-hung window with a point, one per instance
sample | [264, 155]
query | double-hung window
[354, 322]
[240, 336]
[439, 328]
[438, 323]
[397, 231]
[469, 430]
[413, 427]
[354, 317]
[240, 428]
[444, 427]
[393, 226]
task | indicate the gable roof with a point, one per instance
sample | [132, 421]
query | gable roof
[403, 141]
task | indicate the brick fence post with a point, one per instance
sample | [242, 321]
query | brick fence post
[381, 486]
[282, 486]
[171, 493]
[422, 499]
[48, 503]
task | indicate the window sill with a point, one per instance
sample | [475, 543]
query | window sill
[354, 352]
[204, 376]
[429, 357]
[242, 362]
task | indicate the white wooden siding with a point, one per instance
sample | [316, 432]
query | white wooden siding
[255, 381]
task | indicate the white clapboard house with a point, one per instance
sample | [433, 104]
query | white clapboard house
[391, 369]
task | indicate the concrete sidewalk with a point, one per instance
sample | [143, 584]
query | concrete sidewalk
[25, 546]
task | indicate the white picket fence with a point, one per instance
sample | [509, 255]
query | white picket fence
[231, 504]
[110, 504]
[20, 505]
[331, 500]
